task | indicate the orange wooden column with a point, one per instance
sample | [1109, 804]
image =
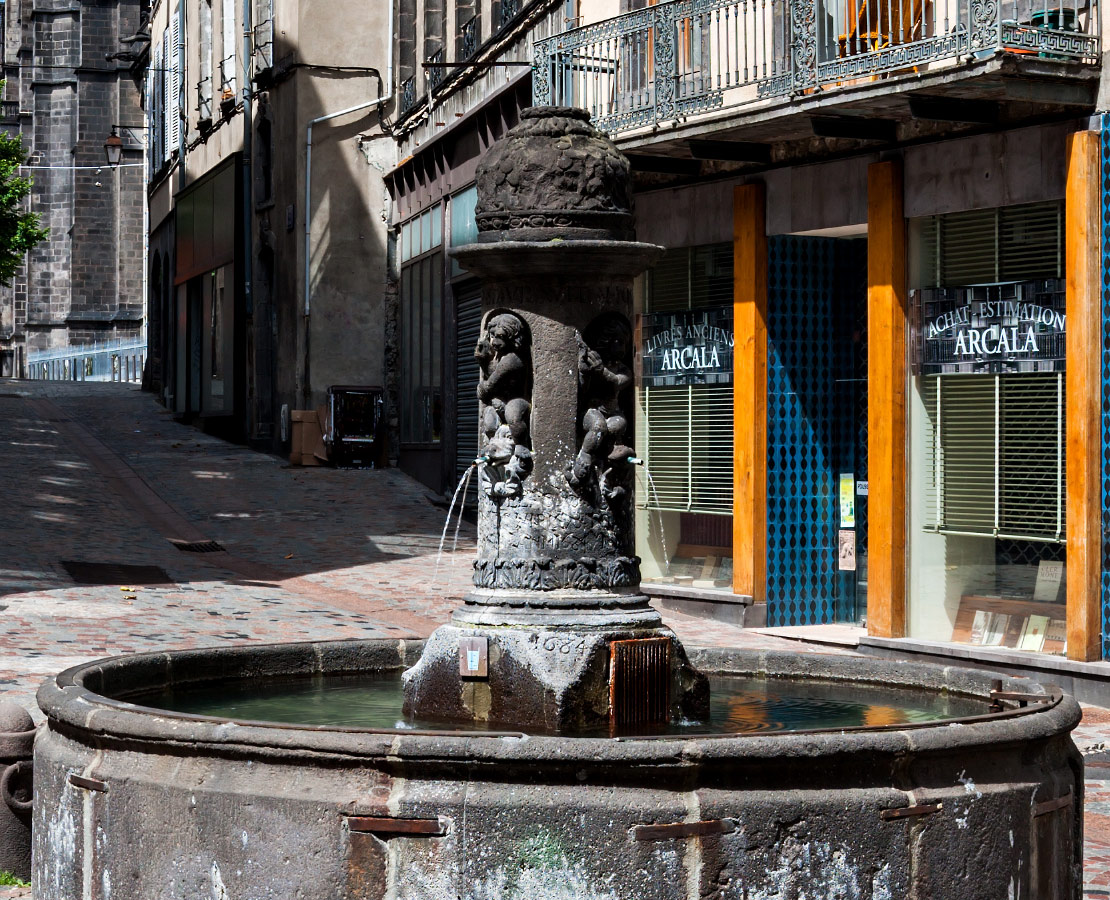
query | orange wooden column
[1081, 266]
[886, 401]
[749, 512]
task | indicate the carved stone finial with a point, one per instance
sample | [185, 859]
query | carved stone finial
[554, 176]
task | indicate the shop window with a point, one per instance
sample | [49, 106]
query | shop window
[685, 419]
[421, 328]
[987, 430]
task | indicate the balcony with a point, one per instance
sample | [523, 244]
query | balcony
[468, 46]
[408, 94]
[435, 70]
[707, 67]
[507, 11]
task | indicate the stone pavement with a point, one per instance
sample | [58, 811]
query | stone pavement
[99, 473]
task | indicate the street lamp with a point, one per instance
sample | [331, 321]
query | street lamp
[113, 148]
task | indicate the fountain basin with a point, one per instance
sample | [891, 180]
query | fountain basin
[134, 802]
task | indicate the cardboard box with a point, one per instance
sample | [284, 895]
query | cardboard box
[307, 438]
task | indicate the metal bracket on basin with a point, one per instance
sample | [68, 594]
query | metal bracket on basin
[388, 826]
[676, 830]
[1019, 697]
[1046, 806]
[905, 812]
[89, 784]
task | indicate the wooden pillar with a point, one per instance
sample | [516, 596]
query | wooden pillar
[886, 401]
[749, 521]
[1084, 347]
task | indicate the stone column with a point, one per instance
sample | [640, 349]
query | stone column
[556, 579]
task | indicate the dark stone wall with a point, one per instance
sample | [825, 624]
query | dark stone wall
[84, 283]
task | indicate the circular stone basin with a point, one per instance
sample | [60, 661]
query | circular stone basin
[138, 803]
[739, 705]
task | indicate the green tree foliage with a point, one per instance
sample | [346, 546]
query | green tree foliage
[19, 229]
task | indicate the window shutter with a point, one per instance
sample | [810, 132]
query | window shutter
[175, 104]
[1030, 241]
[158, 76]
[468, 317]
[997, 455]
[968, 247]
[981, 246]
[152, 139]
[168, 98]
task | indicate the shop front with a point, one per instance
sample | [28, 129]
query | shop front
[685, 401]
[987, 422]
[207, 347]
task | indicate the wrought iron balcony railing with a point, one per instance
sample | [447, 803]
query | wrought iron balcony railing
[507, 11]
[436, 70]
[469, 43]
[408, 94]
[683, 57]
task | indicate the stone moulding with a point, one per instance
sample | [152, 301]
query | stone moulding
[548, 574]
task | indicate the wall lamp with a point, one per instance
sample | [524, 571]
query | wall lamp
[113, 144]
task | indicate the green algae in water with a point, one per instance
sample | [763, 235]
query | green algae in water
[739, 705]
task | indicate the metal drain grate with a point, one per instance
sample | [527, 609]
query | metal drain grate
[114, 573]
[197, 546]
[639, 682]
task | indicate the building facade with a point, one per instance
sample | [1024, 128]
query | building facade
[69, 85]
[268, 260]
[869, 366]
[890, 222]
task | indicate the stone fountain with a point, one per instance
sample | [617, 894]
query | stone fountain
[558, 633]
[138, 799]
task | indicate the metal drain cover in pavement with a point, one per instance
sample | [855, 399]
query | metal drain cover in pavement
[114, 573]
[197, 546]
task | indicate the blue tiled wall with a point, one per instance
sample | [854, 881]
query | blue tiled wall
[815, 291]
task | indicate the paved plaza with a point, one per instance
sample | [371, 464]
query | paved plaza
[99, 473]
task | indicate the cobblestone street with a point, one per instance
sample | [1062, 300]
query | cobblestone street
[99, 473]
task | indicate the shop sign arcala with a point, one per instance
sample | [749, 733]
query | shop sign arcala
[687, 347]
[989, 329]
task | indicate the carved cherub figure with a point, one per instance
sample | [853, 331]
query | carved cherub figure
[604, 375]
[504, 387]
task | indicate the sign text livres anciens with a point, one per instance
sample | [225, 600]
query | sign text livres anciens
[687, 347]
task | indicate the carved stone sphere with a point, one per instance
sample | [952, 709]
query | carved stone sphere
[554, 176]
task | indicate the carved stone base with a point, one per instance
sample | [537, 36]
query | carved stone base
[561, 608]
[545, 680]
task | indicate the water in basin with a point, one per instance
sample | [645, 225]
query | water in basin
[740, 705]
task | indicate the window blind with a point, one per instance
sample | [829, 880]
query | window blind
[688, 448]
[685, 434]
[1011, 243]
[468, 326]
[997, 455]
